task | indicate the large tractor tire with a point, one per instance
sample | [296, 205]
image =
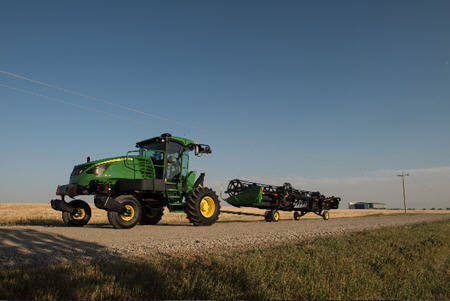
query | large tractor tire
[151, 216]
[81, 217]
[202, 206]
[128, 219]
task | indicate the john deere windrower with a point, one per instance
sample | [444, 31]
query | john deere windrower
[136, 187]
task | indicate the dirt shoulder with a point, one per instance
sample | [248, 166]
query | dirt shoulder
[46, 245]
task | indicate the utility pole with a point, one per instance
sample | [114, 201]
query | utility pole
[403, 175]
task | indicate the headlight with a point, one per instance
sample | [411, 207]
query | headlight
[78, 170]
[98, 170]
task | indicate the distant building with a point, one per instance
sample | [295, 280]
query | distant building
[365, 205]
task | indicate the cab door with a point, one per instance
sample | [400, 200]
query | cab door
[185, 166]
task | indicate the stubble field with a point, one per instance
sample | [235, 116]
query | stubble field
[43, 214]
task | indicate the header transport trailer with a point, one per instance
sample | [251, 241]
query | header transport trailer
[135, 188]
[273, 198]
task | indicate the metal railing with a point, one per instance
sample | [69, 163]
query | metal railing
[146, 156]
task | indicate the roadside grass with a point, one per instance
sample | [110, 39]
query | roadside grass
[407, 262]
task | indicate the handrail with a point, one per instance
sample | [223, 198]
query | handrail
[145, 155]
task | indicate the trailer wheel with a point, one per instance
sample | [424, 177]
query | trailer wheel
[151, 216]
[81, 217]
[130, 217]
[202, 206]
[268, 216]
[297, 215]
[326, 215]
[275, 216]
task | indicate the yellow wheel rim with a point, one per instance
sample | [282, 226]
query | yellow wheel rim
[81, 214]
[207, 207]
[276, 216]
[326, 215]
[131, 213]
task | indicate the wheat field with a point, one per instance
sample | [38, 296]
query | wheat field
[42, 213]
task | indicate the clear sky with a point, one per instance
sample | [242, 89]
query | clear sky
[335, 96]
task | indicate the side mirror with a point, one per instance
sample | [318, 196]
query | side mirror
[205, 149]
[202, 149]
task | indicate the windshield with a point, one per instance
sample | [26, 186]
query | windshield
[154, 150]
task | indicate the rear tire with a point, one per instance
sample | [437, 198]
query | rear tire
[297, 215]
[326, 215]
[128, 219]
[79, 218]
[202, 206]
[151, 216]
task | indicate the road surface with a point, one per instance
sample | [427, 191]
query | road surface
[46, 245]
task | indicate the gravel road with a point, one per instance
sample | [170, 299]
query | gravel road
[46, 245]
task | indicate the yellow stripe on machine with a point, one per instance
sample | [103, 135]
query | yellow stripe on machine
[113, 160]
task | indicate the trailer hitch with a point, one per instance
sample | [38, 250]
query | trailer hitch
[240, 213]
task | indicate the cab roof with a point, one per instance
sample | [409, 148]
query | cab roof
[183, 141]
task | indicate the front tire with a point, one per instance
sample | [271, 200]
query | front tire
[326, 215]
[202, 206]
[81, 217]
[130, 217]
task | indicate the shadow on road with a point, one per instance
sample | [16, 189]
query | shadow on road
[28, 246]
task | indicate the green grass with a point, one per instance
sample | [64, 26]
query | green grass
[408, 262]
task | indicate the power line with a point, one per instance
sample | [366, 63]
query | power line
[53, 99]
[96, 99]
[114, 104]
[100, 100]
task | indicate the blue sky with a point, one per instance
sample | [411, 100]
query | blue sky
[308, 90]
